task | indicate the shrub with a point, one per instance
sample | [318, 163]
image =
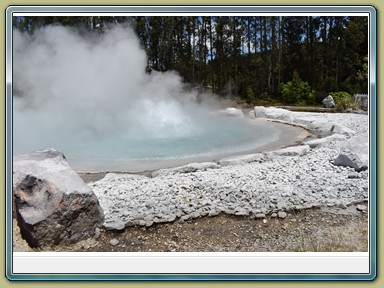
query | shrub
[250, 94]
[296, 91]
[343, 101]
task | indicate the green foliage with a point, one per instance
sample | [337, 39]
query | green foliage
[250, 94]
[344, 101]
[340, 96]
[311, 98]
[296, 91]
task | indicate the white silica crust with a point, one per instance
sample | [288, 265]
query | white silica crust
[259, 184]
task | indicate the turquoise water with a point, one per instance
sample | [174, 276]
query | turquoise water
[169, 141]
[225, 136]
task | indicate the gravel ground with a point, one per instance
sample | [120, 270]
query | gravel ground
[312, 230]
[267, 203]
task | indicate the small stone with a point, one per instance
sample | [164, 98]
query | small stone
[353, 176]
[361, 208]
[242, 212]
[362, 168]
[185, 217]
[114, 242]
[260, 216]
[282, 214]
[119, 225]
[97, 232]
[129, 224]
[274, 215]
[213, 213]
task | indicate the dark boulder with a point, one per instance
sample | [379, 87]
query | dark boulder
[52, 204]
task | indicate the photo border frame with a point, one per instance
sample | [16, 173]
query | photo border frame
[204, 10]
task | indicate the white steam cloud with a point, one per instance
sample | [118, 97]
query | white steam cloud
[69, 88]
[89, 97]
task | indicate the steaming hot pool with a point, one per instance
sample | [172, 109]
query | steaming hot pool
[123, 119]
[216, 140]
[156, 138]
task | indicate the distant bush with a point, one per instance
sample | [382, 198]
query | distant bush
[340, 96]
[250, 95]
[296, 91]
[344, 101]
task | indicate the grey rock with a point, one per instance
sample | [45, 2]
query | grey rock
[213, 213]
[354, 153]
[260, 216]
[129, 224]
[328, 102]
[97, 233]
[119, 225]
[353, 176]
[259, 112]
[242, 212]
[342, 130]
[361, 207]
[274, 113]
[362, 168]
[281, 214]
[148, 223]
[171, 218]
[52, 204]
[114, 242]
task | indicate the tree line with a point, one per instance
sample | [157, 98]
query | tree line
[251, 57]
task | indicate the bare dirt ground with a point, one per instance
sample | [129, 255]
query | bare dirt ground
[328, 229]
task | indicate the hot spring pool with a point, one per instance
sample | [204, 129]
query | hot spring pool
[156, 138]
[215, 141]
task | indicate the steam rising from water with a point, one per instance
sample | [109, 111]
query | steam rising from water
[90, 97]
[86, 86]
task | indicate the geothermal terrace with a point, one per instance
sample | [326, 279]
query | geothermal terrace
[268, 183]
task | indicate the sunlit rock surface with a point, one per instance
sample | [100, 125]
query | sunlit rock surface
[52, 204]
[354, 153]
